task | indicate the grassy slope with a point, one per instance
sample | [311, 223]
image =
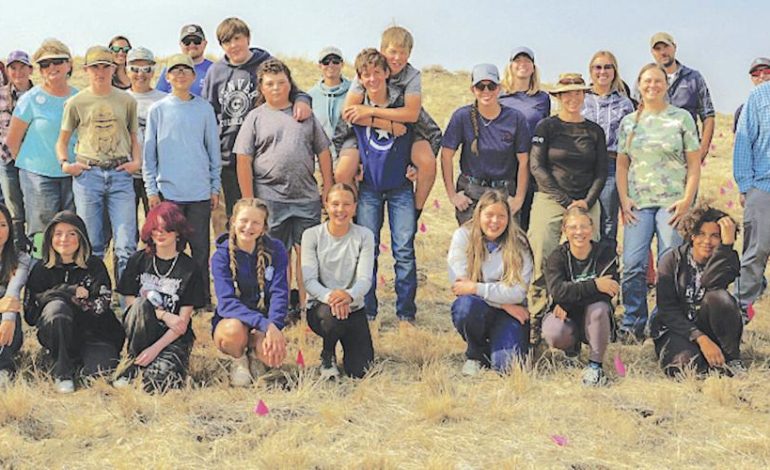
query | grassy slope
[414, 410]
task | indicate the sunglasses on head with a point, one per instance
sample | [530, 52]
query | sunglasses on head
[192, 40]
[600, 67]
[44, 64]
[141, 68]
[331, 60]
[119, 49]
[481, 86]
[760, 72]
[571, 81]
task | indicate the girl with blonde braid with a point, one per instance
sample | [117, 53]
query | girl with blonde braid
[250, 282]
[495, 141]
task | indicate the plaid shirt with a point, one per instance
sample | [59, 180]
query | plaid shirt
[751, 153]
[8, 98]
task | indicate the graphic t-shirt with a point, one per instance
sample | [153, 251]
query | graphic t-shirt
[167, 284]
[104, 123]
[656, 177]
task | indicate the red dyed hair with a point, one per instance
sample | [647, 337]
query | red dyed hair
[165, 216]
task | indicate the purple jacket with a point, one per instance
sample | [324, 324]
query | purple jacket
[243, 305]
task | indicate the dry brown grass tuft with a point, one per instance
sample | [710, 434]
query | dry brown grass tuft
[414, 409]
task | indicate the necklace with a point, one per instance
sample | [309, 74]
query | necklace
[155, 266]
[485, 122]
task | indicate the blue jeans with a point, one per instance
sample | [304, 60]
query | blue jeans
[609, 203]
[493, 336]
[403, 226]
[636, 245]
[44, 197]
[14, 200]
[99, 192]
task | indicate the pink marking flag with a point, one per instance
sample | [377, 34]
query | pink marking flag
[382, 280]
[383, 247]
[436, 204]
[750, 312]
[261, 409]
[300, 359]
[560, 441]
[423, 227]
[620, 368]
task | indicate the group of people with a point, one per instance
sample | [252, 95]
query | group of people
[78, 165]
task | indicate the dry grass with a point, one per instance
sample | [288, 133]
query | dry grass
[414, 410]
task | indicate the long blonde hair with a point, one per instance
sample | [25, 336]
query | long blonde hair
[617, 82]
[513, 242]
[508, 80]
[264, 259]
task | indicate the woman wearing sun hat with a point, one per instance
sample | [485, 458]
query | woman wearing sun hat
[569, 163]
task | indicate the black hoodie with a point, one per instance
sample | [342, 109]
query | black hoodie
[94, 319]
[232, 91]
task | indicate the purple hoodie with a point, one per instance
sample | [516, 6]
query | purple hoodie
[244, 306]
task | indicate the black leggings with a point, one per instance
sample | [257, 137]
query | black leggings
[8, 353]
[719, 318]
[352, 332]
[60, 331]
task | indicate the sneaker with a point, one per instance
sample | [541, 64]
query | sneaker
[121, 382]
[64, 386]
[5, 378]
[240, 375]
[471, 368]
[594, 377]
[736, 368]
[293, 316]
[329, 369]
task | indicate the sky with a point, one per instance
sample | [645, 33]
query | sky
[718, 38]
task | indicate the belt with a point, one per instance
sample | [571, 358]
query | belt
[104, 164]
[489, 183]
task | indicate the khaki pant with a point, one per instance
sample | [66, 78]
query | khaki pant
[544, 236]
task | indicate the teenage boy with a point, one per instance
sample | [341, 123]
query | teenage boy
[405, 82]
[329, 93]
[384, 147]
[193, 43]
[140, 70]
[231, 88]
[181, 158]
[107, 153]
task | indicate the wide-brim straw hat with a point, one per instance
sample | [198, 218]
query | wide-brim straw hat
[569, 82]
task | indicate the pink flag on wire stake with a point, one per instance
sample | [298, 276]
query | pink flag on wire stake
[261, 409]
[300, 359]
[620, 368]
[560, 441]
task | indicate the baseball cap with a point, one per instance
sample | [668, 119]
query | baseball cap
[140, 53]
[179, 59]
[483, 72]
[665, 38]
[758, 62]
[327, 51]
[191, 30]
[98, 55]
[522, 50]
[18, 56]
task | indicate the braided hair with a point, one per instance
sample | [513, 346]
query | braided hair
[640, 109]
[475, 125]
[264, 259]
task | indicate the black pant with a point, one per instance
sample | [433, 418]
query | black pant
[230, 188]
[143, 329]
[352, 332]
[8, 353]
[141, 196]
[198, 215]
[60, 330]
[719, 318]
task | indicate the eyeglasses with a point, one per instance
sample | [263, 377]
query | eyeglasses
[192, 40]
[141, 68]
[331, 60]
[481, 86]
[181, 71]
[119, 49]
[600, 67]
[44, 64]
[761, 72]
[571, 81]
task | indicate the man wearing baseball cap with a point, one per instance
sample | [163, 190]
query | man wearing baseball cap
[18, 68]
[193, 43]
[759, 72]
[686, 88]
[107, 153]
[329, 93]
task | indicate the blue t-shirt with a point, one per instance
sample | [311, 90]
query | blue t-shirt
[197, 86]
[499, 141]
[535, 108]
[384, 157]
[43, 114]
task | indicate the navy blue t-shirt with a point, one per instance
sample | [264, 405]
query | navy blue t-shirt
[384, 157]
[535, 107]
[499, 142]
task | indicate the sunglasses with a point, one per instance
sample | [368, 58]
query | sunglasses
[192, 40]
[331, 60]
[481, 86]
[119, 49]
[141, 68]
[760, 72]
[44, 64]
[600, 67]
[181, 70]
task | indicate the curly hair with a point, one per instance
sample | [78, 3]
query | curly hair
[698, 215]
